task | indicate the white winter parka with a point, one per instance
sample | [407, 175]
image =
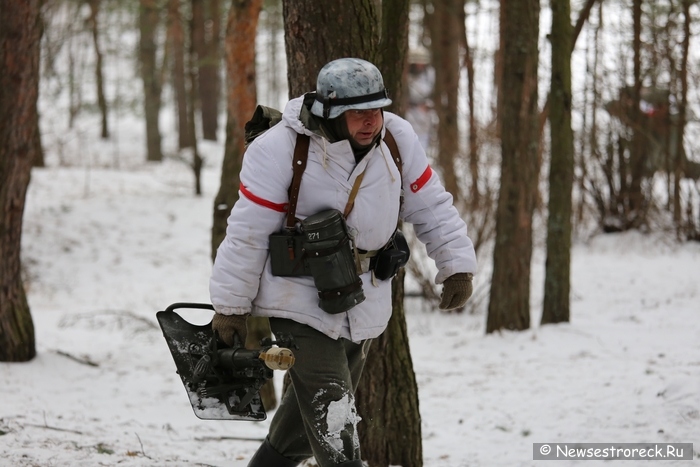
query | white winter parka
[241, 280]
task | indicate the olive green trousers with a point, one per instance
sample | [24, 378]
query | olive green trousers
[317, 416]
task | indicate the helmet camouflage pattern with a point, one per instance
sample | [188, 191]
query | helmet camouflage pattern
[348, 83]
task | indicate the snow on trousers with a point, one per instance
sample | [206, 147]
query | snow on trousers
[317, 416]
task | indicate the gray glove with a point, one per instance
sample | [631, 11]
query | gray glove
[456, 290]
[228, 325]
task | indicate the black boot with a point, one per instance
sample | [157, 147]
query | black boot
[266, 456]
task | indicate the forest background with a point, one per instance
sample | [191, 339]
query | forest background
[633, 105]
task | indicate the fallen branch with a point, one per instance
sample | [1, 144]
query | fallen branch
[142, 450]
[227, 438]
[55, 428]
[84, 361]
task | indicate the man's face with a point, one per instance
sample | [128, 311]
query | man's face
[364, 125]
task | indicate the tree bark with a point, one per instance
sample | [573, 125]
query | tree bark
[197, 161]
[205, 36]
[445, 40]
[176, 35]
[582, 18]
[393, 46]
[509, 301]
[678, 167]
[241, 99]
[38, 146]
[99, 77]
[316, 33]
[635, 203]
[148, 21]
[387, 396]
[557, 284]
[473, 145]
[20, 33]
[498, 68]
[274, 27]
[327, 29]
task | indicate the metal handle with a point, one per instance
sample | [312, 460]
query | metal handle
[199, 306]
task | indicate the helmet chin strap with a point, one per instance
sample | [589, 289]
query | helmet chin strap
[360, 150]
[337, 129]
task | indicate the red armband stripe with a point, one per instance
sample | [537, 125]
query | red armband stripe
[263, 202]
[422, 180]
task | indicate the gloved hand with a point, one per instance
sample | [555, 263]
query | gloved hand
[227, 325]
[456, 290]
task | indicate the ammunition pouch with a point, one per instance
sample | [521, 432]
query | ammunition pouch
[330, 260]
[323, 251]
[392, 257]
[287, 254]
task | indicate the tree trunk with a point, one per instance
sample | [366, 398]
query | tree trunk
[682, 109]
[445, 40]
[498, 68]
[387, 396]
[20, 34]
[544, 115]
[197, 161]
[316, 33]
[75, 98]
[330, 32]
[635, 212]
[561, 173]
[274, 27]
[509, 301]
[473, 145]
[177, 44]
[241, 99]
[148, 21]
[99, 79]
[205, 36]
[38, 147]
[393, 46]
[582, 18]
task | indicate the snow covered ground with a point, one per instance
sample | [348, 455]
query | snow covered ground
[109, 241]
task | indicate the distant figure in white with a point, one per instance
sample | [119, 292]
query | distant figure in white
[421, 82]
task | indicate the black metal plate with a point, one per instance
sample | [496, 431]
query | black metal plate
[187, 343]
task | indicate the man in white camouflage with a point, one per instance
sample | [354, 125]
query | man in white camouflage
[347, 128]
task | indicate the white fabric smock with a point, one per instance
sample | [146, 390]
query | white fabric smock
[241, 280]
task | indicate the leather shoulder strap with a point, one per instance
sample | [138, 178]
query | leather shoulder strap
[396, 157]
[301, 154]
[394, 149]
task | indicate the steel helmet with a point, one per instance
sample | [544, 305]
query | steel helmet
[419, 56]
[348, 83]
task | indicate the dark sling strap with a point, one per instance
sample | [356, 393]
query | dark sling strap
[394, 149]
[301, 153]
